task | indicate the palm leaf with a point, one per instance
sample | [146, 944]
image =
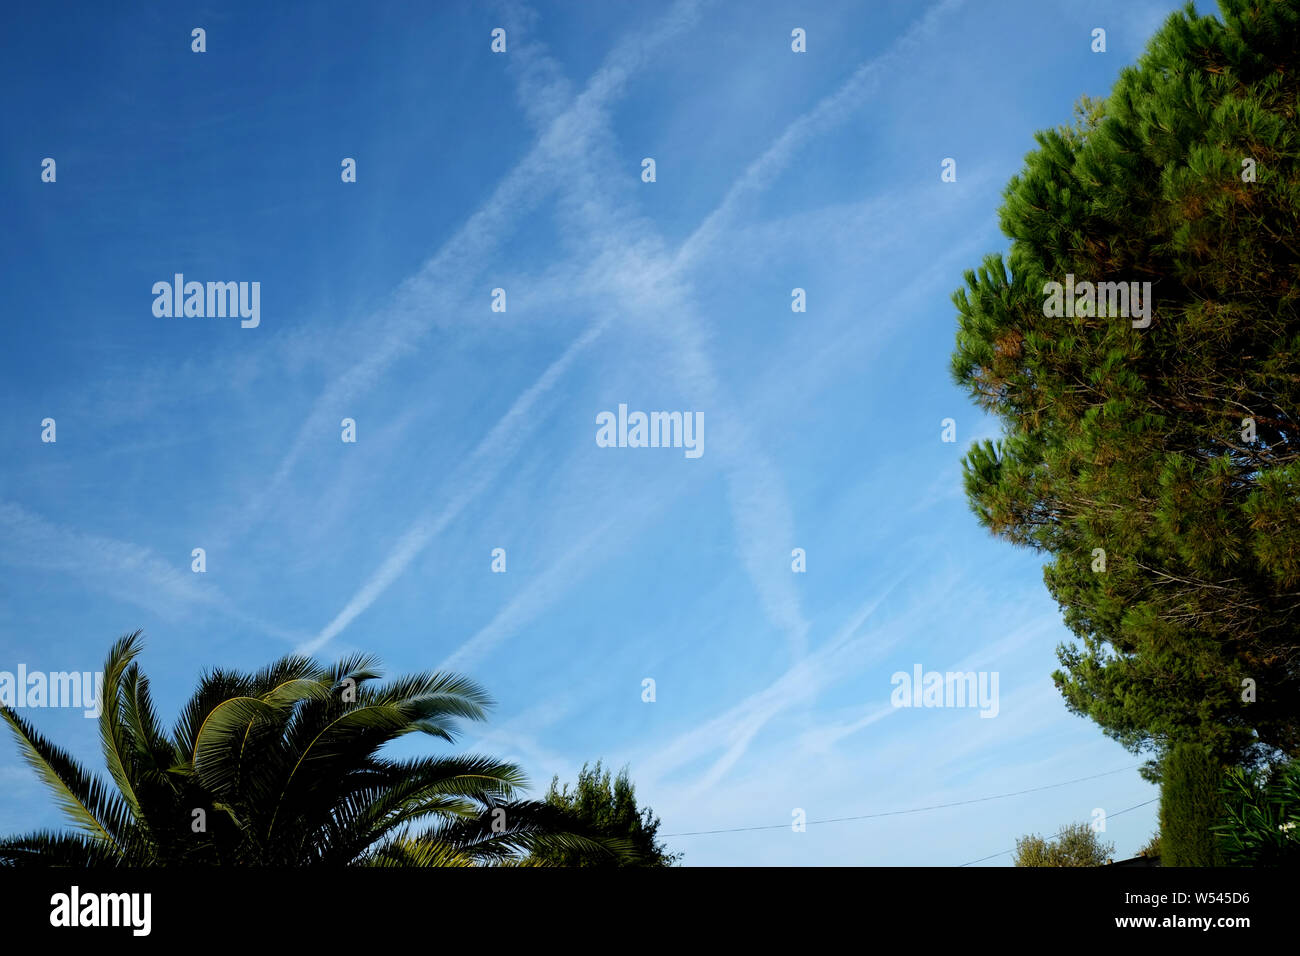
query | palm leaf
[285, 764]
[114, 735]
[528, 826]
[46, 848]
[92, 807]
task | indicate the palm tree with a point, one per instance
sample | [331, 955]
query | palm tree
[281, 768]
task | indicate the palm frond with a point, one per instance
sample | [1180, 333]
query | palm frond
[214, 687]
[283, 768]
[88, 804]
[113, 734]
[528, 826]
[419, 852]
[47, 848]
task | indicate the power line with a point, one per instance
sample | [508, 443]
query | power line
[894, 813]
[1058, 833]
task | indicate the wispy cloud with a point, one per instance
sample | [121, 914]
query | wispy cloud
[561, 142]
[128, 572]
[736, 727]
[830, 112]
[475, 474]
[448, 274]
[644, 282]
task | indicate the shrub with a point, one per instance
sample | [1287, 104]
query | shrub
[1077, 845]
[1262, 822]
[1190, 806]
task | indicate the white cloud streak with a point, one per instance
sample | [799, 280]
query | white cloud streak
[128, 572]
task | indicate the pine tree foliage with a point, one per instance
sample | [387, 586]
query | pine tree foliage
[1173, 448]
[605, 804]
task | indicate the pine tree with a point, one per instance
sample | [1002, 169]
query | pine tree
[1159, 466]
[606, 805]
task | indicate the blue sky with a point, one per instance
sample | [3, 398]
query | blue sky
[476, 429]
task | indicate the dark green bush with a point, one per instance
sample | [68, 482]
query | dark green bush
[1191, 805]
